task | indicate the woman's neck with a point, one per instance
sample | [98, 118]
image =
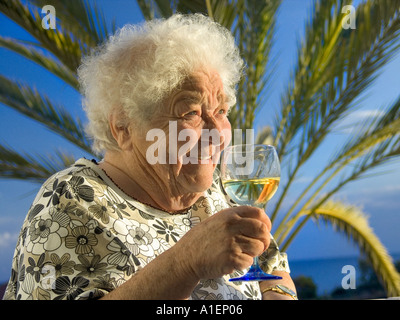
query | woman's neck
[146, 187]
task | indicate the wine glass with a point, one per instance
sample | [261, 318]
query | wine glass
[250, 175]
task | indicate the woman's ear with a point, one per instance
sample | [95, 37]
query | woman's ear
[120, 131]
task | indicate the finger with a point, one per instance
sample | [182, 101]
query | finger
[240, 262]
[254, 213]
[250, 246]
[253, 228]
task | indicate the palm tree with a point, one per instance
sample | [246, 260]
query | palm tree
[334, 68]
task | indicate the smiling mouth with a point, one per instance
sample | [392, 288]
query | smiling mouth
[200, 158]
[205, 158]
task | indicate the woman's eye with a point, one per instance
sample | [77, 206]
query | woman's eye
[221, 111]
[192, 113]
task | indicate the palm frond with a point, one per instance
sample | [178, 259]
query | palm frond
[373, 145]
[165, 8]
[377, 157]
[353, 223]
[38, 107]
[264, 136]
[319, 99]
[14, 165]
[221, 11]
[334, 67]
[254, 31]
[47, 62]
[224, 12]
[82, 18]
[61, 43]
[367, 153]
[296, 100]
[375, 138]
[378, 128]
[146, 8]
[195, 6]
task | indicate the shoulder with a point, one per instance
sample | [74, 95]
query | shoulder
[82, 168]
[78, 180]
[72, 188]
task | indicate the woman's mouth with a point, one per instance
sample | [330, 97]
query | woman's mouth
[198, 157]
[205, 158]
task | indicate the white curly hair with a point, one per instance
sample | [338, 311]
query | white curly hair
[138, 67]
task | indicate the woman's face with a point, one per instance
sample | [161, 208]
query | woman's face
[194, 121]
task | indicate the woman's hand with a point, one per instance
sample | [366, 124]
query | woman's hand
[225, 242]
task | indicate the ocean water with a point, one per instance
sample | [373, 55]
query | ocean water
[327, 273]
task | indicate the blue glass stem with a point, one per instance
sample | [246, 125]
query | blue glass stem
[255, 267]
[255, 273]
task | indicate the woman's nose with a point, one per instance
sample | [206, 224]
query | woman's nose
[213, 132]
[210, 123]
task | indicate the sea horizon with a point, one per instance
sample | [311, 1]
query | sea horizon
[327, 272]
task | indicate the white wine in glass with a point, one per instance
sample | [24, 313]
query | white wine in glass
[250, 175]
[252, 192]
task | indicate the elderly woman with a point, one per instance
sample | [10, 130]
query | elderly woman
[131, 228]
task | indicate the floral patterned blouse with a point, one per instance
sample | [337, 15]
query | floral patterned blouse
[83, 237]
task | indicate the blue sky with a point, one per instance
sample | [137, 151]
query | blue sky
[379, 197]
